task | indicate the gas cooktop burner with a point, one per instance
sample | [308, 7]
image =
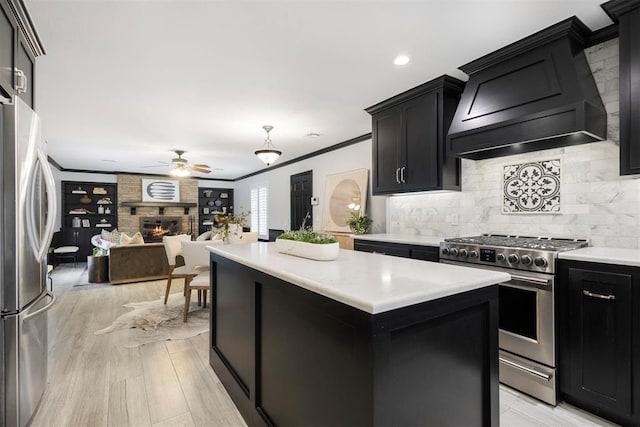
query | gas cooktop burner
[524, 242]
[536, 254]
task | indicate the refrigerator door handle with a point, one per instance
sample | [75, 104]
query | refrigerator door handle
[43, 309]
[30, 220]
[51, 205]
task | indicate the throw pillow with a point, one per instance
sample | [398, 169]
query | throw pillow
[136, 239]
[111, 236]
[204, 236]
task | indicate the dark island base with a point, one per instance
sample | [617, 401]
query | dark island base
[290, 357]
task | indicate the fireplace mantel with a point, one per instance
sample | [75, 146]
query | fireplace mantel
[160, 205]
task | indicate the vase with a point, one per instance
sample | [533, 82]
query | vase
[315, 251]
[235, 233]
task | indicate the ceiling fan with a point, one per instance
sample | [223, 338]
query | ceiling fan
[182, 167]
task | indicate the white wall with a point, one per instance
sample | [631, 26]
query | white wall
[56, 178]
[216, 184]
[277, 181]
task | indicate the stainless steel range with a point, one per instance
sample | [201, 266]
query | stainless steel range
[527, 327]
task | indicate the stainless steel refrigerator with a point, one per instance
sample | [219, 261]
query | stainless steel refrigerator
[27, 216]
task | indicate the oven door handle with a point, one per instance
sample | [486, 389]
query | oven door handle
[526, 369]
[532, 280]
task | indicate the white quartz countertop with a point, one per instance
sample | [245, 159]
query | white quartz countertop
[402, 238]
[604, 255]
[373, 283]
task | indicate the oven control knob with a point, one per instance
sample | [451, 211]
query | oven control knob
[464, 253]
[453, 252]
[445, 251]
[525, 260]
[473, 254]
[501, 257]
[540, 262]
[513, 259]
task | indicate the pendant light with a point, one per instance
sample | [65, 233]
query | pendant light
[267, 153]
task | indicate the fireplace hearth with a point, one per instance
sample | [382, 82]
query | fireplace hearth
[154, 228]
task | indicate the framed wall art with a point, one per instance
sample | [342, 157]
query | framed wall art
[160, 190]
[345, 193]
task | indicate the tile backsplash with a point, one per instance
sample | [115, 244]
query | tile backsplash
[597, 203]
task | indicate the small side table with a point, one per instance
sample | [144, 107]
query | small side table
[98, 266]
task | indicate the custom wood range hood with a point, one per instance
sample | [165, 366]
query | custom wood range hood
[534, 94]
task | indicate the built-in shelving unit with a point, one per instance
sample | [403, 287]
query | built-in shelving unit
[212, 202]
[87, 209]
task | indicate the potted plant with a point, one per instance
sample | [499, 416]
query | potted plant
[308, 244]
[231, 224]
[359, 223]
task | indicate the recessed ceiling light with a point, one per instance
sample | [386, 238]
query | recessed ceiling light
[401, 60]
[312, 135]
[108, 160]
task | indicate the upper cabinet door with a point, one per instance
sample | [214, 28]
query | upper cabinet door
[387, 132]
[8, 34]
[25, 67]
[421, 144]
[408, 139]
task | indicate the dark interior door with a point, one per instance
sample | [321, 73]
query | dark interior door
[301, 191]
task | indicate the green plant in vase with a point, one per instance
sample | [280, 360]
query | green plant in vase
[307, 235]
[359, 223]
[232, 223]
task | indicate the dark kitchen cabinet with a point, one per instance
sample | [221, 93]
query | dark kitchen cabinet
[87, 209]
[8, 42]
[424, 253]
[627, 14]
[19, 46]
[599, 342]
[80, 237]
[408, 134]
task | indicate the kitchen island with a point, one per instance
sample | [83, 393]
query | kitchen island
[366, 339]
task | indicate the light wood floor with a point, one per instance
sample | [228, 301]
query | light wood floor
[96, 381]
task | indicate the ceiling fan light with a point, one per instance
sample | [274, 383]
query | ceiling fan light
[268, 154]
[179, 172]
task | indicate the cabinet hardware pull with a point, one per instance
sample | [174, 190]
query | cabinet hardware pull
[397, 172]
[402, 174]
[607, 297]
[524, 368]
[21, 81]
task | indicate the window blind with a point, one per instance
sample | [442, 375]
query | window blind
[259, 212]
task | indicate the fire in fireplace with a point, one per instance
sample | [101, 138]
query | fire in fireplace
[154, 228]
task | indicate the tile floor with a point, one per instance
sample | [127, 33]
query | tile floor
[96, 381]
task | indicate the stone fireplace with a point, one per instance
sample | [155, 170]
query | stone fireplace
[153, 228]
[131, 221]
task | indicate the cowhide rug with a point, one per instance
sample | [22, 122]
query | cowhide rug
[156, 321]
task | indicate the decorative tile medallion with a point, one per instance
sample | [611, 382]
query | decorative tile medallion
[532, 187]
